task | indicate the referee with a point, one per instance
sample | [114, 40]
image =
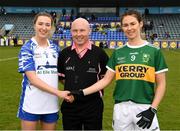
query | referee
[80, 66]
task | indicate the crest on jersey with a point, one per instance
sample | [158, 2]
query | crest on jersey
[121, 60]
[146, 58]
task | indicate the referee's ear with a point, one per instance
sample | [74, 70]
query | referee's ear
[90, 30]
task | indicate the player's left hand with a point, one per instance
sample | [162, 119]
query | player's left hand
[146, 118]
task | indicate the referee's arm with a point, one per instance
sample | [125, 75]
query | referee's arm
[101, 84]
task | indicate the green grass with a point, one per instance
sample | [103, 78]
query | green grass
[10, 89]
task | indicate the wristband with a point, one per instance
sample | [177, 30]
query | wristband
[153, 110]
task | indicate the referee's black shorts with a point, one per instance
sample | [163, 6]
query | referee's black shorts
[84, 115]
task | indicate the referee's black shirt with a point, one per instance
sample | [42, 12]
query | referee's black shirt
[82, 72]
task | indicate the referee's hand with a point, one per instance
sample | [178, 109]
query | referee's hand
[77, 94]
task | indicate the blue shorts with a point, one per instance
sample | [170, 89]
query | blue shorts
[48, 118]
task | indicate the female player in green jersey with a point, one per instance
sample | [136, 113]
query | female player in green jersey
[139, 68]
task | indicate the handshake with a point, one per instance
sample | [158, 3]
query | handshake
[73, 95]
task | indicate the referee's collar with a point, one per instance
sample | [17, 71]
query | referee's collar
[88, 45]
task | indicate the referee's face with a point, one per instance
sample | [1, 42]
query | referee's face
[80, 31]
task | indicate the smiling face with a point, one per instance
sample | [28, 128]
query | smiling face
[42, 26]
[80, 31]
[132, 27]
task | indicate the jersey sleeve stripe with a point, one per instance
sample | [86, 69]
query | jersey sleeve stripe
[163, 70]
[110, 69]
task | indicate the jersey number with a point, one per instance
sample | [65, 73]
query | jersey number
[133, 57]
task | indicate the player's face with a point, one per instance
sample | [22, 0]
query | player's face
[80, 32]
[131, 27]
[43, 27]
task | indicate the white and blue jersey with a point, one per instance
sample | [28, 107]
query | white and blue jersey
[44, 62]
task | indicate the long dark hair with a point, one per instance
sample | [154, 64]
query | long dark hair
[134, 13]
[43, 14]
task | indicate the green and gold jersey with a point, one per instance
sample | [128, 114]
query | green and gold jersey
[135, 68]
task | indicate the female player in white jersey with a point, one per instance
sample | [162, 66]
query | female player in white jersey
[139, 69]
[38, 63]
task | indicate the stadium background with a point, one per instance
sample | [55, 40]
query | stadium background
[101, 9]
[10, 80]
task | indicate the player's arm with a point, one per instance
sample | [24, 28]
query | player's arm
[37, 82]
[101, 84]
[160, 89]
[148, 115]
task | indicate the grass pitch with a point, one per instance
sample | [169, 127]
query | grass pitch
[10, 89]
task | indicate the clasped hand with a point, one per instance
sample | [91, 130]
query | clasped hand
[66, 95]
[71, 96]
